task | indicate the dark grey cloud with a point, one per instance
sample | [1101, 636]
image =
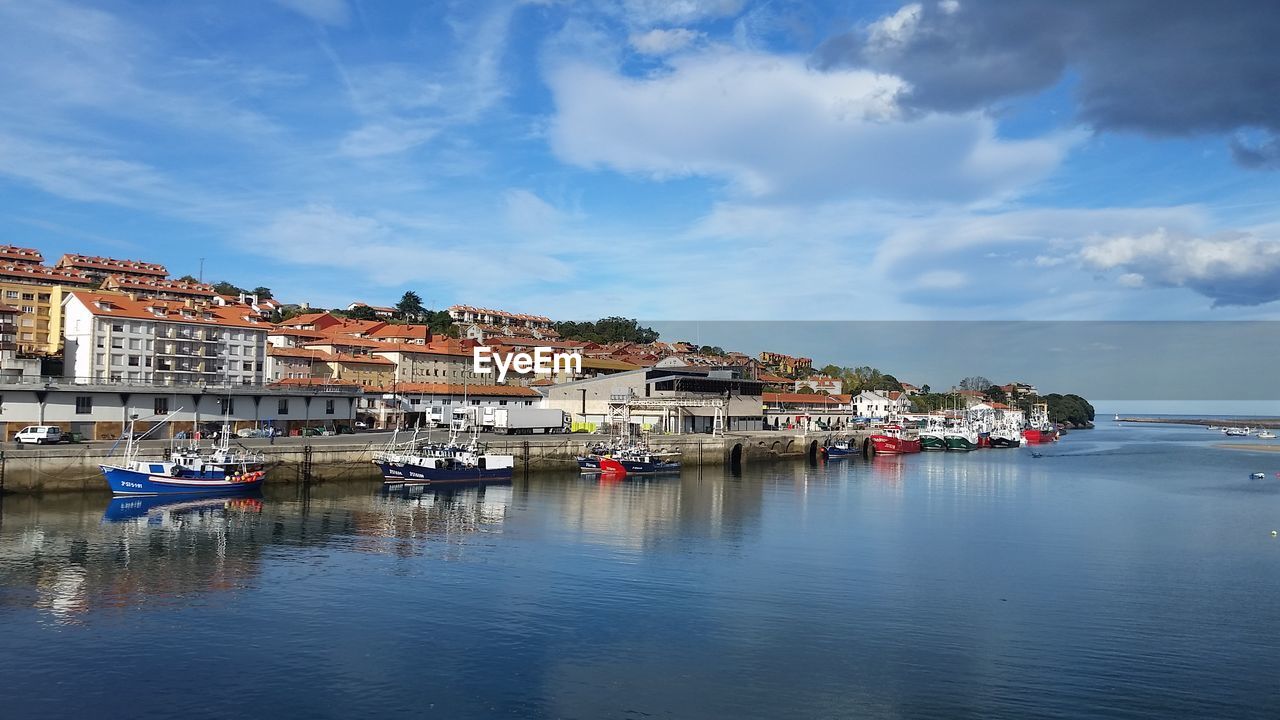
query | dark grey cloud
[1162, 67]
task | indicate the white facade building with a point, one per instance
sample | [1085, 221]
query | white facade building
[118, 338]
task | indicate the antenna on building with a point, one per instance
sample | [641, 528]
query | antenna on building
[201, 269]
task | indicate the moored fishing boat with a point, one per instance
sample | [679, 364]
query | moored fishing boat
[1039, 430]
[187, 471]
[446, 462]
[931, 437]
[838, 449]
[961, 437]
[893, 440]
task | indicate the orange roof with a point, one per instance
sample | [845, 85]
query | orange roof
[800, 398]
[295, 332]
[460, 389]
[294, 352]
[109, 304]
[136, 267]
[305, 319]
[20, 254]
[9, 309]
[31, 272]
[316, 381]
[177, 287]
[413, 332]
[774, 379]
[343, 341]
[363, 359]
[542, 382]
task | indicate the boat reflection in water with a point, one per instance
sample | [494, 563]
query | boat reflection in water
[158, 508]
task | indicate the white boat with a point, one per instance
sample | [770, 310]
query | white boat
[1236, 432]
[1266, 435]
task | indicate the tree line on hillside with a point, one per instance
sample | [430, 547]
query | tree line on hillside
[608, 330]
[857, 379]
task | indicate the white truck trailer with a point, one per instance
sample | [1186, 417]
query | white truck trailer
[528, 421]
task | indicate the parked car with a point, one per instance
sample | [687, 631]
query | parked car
[39, 435]
[362, 425]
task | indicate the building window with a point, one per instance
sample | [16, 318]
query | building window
[162, 406]
[84, 404]
[328, 407]
[117, 327]
[282, 408]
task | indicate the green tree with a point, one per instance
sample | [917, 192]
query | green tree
[996, 394]
[410, 305]
[263, 292]
[188, 279]
[975, 382]
[362, 312]
[607, 330]
[226, 288]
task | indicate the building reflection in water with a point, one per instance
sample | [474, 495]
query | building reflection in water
[410, 514]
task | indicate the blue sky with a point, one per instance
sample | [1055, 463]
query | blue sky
[710, 159]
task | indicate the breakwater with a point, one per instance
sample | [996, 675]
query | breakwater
[75, 468]
[1272, 423]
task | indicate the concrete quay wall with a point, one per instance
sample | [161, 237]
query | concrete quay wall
[75, 468]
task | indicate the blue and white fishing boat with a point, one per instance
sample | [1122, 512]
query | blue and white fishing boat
[187, 471]
[838, 449]
[635, 458]
[448, 462]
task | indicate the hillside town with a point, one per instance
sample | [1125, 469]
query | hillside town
[88, 343]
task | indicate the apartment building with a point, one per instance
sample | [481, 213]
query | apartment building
[99, 268]
[159, 288]
[38, 291]
[112, 337]
[439, 361]
[15, 254]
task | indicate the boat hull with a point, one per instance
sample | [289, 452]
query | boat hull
[961, 443]
[589, 463]
[932, 442]
[1039, 437]
[394, 472]
[833, 452]
[1000, 441]
[124, 481]
[887, 445]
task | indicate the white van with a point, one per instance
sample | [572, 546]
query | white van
[39, 434]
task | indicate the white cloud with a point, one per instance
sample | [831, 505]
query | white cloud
[377, 139]
[771, 126]
[663, 41]
[1235, 269]
[389, 251]
[527, 213]
[658, 12]
[325, 12]
[941, 280]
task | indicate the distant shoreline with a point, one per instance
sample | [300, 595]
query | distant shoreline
[1253, 448]
[1273, 423]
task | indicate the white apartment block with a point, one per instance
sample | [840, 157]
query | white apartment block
[118, 338]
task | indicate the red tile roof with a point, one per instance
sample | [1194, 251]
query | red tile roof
[110, 304]
[295, 352]
[28, 272]
[13, 253]
[125, 283]
[111, 265]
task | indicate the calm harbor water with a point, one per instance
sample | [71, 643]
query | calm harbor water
[1130, 572]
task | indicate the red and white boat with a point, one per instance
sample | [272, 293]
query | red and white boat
[1039, 430]
[893, 440]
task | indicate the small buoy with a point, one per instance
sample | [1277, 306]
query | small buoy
[1273, 533]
